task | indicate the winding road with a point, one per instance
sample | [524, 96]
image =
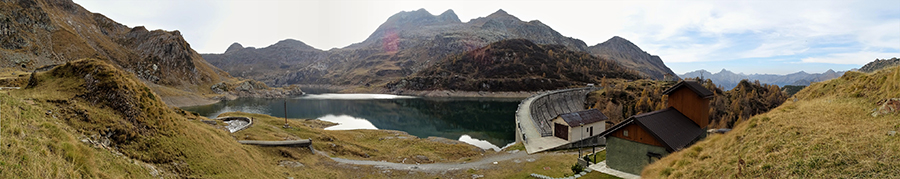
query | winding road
[437, 167]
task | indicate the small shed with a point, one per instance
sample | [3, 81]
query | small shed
[579, 125]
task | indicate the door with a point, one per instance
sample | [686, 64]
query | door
[561, 131]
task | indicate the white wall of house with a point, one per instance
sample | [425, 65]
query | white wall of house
[579, 132]
[575, 133]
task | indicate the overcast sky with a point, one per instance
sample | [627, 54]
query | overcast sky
[774, 37]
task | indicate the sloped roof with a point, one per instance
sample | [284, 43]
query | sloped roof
[673, 129]
[583, 117]
[694, 86]
[669, 126]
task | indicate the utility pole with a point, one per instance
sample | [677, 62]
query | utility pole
[582, 138]
[285, 114]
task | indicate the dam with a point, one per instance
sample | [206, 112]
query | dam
[534, 115]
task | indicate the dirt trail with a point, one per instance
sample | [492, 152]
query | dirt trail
[516, 155]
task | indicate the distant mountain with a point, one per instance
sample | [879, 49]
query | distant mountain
[514, 65]
[404, 44]
[879, 64]
[266, 64]
[631, 56]
[729, 79]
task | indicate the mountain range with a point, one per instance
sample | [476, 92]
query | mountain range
[407, 43]
[728, 79]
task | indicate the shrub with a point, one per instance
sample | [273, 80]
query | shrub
[577, 168]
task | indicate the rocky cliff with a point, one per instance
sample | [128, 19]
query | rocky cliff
[39, 33]
[879, 64]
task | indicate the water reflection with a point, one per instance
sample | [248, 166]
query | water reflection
[346, 122]
[490, 120]
[353, 96]
[478, 142]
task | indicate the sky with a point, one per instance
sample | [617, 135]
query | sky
[765, 37]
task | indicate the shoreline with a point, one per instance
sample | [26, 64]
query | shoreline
[194, 100]
[469, 94]
[429, 93]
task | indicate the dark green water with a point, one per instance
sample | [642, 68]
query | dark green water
[488, 119]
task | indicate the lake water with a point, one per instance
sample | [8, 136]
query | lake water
[488, 123]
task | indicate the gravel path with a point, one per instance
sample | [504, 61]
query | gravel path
[519, 156]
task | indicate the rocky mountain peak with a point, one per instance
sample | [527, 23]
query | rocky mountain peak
[234, 47]
[502, 15]
[620, 43]
[291, 44]
[724, 71]
[421, 17]
[631, 56]
[449, 16]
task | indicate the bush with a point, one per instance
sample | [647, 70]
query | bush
[577, 168]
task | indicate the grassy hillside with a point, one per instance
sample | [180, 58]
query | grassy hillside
[827, 132]
[89, 119]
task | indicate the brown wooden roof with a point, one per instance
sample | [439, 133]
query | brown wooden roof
[671, 128]
[583, 117]
[694, 86]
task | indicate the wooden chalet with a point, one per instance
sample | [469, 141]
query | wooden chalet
[644, 138]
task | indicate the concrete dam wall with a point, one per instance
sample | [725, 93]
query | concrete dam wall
[534, 115]
[547, 106]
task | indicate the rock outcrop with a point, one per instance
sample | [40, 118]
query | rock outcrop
[39, 33]
[879, 64]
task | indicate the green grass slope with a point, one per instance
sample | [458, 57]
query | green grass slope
[90, 119]
[827, 132]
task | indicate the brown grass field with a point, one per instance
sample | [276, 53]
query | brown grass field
[827, 132]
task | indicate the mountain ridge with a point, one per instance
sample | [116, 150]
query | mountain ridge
[513, 65]
[404, 44]
[730, 79]
[38, 35]
[632, 56]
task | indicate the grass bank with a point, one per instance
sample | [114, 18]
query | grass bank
[827, 132]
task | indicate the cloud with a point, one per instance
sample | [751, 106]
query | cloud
[857, 58]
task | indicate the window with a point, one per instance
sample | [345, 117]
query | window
[625, 133]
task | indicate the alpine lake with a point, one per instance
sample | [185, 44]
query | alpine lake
[488, 123]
